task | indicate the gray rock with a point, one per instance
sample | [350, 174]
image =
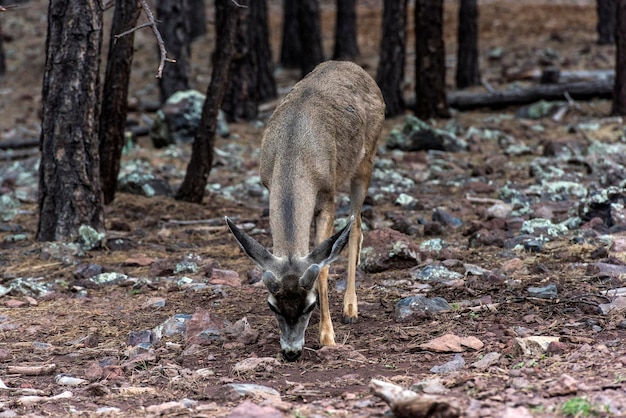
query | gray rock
[174, 325]
[419, 306]
[90, 239]
[8, 207]
[385, 249]
[144, 184]
[436, 273]
[417, 135]
[453, 365]
[545, 292]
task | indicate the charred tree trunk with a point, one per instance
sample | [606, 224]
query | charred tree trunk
[619, 90]
[3, 65]
[430, 65]
[467, 69]
[175, 28]
[266, 84]
[197, 19]
[390, 73]
[346, 46]
[290, 44]
[69, 172]
[199, 168]
[310, 35]
[606, 21]
[241, 100]
[115, 95]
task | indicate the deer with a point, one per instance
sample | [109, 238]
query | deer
[323, 134]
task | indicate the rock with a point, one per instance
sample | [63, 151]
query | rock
[606, 204]
[385, 249]
[144, 184]
[419, 306]
[441, 215]
[104, 279]
[64, 380]
[154, 303]
[225, 277]
[618, 304]
[9, 207]
[86, 271]
[487, 361]
[565, 385]
[500, 210]
[605, 270]
[431, 386]
[516, 412]
[174, 325]
[452, 343]
[545, 292]
[340, 352]
[417, 135]
[453, 365]
[232, 392]
[248, 409]
[408, 404]
[436, 273]
[204, 328]
[242, 332]
[254, 364]
[534, 346]
[89, 238]
[539, 227]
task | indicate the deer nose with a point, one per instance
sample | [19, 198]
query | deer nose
[291, 355]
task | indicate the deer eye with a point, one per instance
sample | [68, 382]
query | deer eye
[309, 308]
[273, 308]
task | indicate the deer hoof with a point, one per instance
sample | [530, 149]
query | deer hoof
[350, 314]
[326, 340]
[350, 319]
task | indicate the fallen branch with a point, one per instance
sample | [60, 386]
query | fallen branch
[32, 370]
[582, 90]
[408, 404]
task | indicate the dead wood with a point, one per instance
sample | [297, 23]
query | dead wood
[408, 404]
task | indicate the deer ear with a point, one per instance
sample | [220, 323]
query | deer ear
[329, 250]
[271, 282]
[250, 246]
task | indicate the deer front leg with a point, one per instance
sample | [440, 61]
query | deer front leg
[324, 221]
[350, 307]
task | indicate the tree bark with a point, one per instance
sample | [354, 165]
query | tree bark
[310, 35]
[174, 25]
[115, 95]
[430, 65]
[580, 90]
[346, 46]
[241, 100]
[197, 19]
[266, 83]
[467, 68]
[3, 65]
[606, 21]
[619, 87]
[290, 49]
[69, 172]
[390, 73]
[199, 168]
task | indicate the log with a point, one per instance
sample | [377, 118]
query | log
[581, 90]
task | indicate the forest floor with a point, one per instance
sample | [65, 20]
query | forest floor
[179, 319]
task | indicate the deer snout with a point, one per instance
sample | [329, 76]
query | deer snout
[292, 355]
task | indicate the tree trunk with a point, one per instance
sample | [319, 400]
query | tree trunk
[3, 65]
[115, 95]
[606, 21]
[69, 172]
[430, 65]
[346, 46]
[467, 69]
[619, 89]
[241, 100]
[174, 25]
[199, 168]
[197, 19]
[310, 35]
[390, 73]
[266, 83]
[290, 50]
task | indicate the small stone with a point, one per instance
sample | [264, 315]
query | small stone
[225, 277]
[534, 346]
[565, 385]
[545, 292]
[452, 343]
[253, 364]
[453, 365]
[487, 361]
[419, 306]
[248, 409]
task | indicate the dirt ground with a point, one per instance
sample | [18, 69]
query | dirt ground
[100, 332]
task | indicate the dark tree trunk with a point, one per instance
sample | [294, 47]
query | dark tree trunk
[310, 35]
[197, 19]
[69, 172]
[199, 168]
[175, 28]
[606, 21]
[390, 73]
[467, 69]
[346, 46]
[619, 90]
[290, 45]
[266, 84]
[115, 95]
[3, 65]
[430, 65]
[241, 100]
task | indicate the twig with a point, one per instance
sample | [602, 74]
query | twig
[486, 200]
[152, 24]
[487, 85]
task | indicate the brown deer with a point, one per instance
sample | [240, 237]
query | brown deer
[323, 134]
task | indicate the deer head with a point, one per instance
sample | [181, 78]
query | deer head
[291, 282]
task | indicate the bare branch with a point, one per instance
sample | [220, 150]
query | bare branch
[239, 5]
[153, 25]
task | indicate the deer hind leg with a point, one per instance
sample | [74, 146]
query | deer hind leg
[358, 191]
[324, 222]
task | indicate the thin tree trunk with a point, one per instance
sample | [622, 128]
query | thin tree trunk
[467, 69]
[430, 65]
[197, 19]
[69, 172]
[619, 89]
[266, 83]
[390, 73]
[175, 27]
[310, 35]
[290, 49]
[606, 21]
[346, 46]
[3, 65]
[196, 177]
[115, 95]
